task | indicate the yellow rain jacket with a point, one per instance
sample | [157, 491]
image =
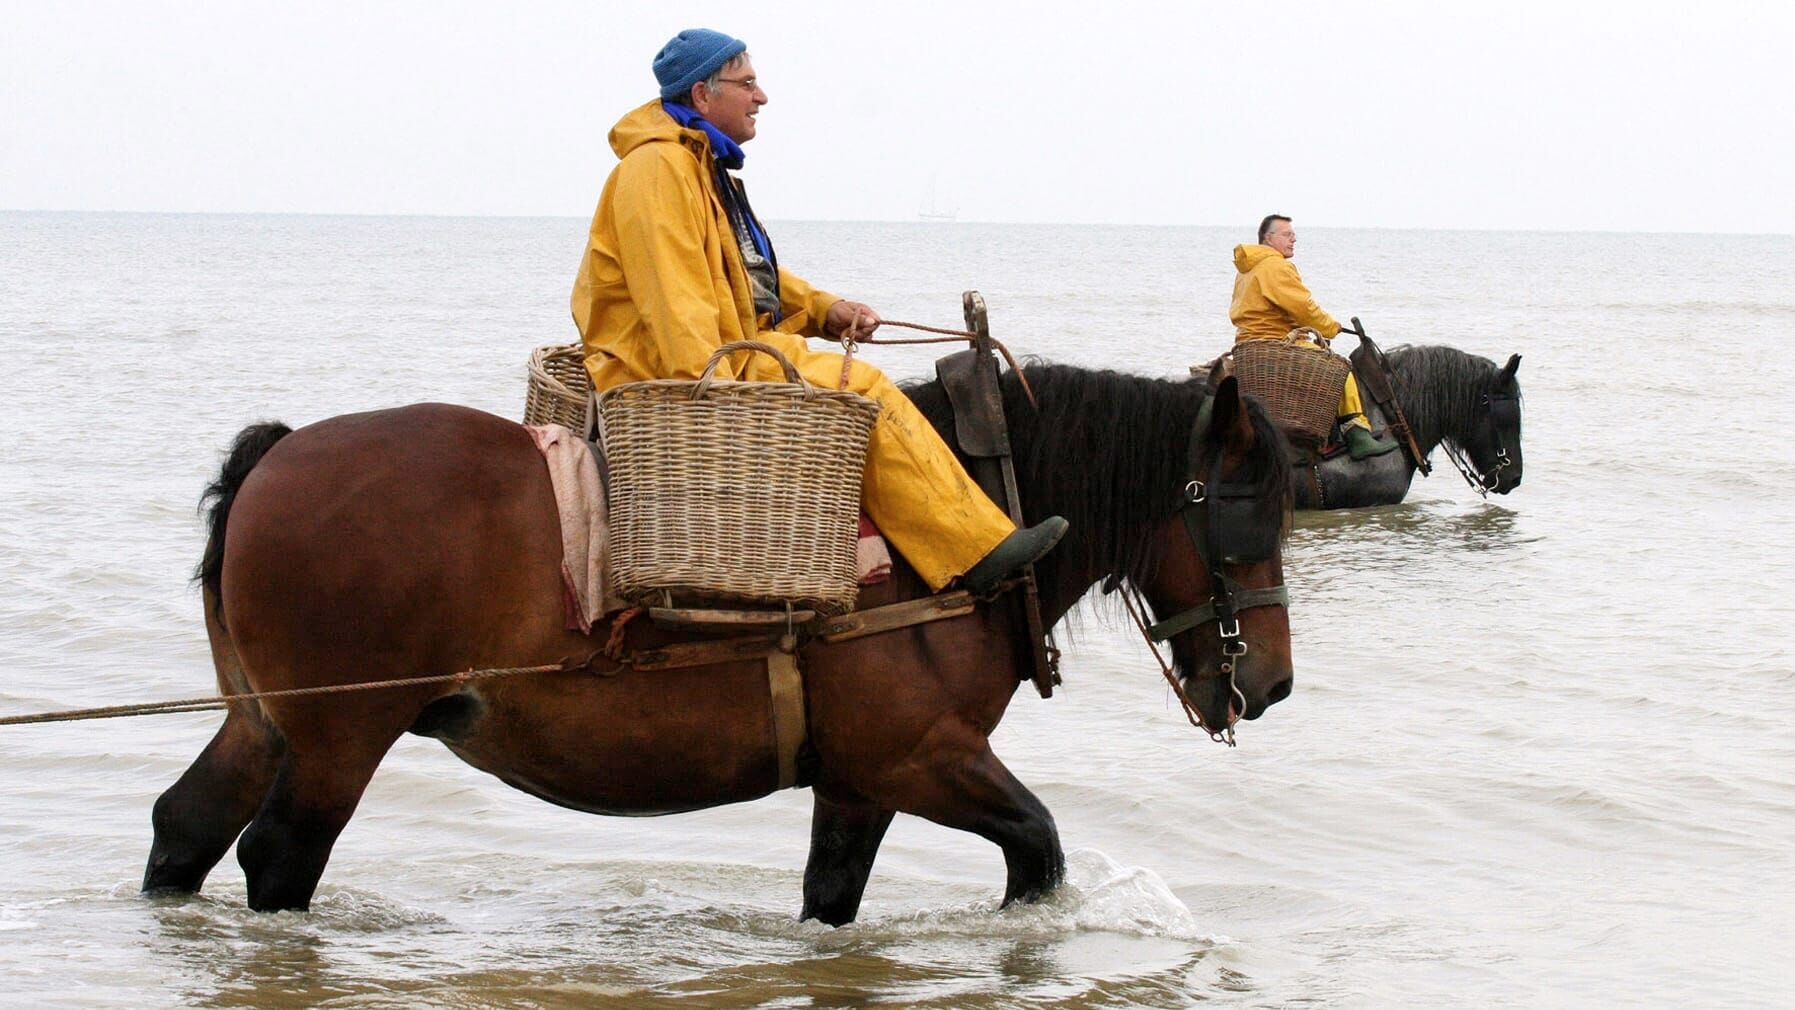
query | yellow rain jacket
[1270, 300]
[662, 285]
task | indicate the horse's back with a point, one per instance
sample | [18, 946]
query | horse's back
[397, 476]
[417, 440]
[398, 531]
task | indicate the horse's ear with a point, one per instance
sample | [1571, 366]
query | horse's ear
[1231, 424]
[1221, 368]
[1508, 370]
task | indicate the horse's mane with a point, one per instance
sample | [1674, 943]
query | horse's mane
[1110, 453]
[1442, 388]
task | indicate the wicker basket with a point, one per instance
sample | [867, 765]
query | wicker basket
[1298, 382]
[560, 390]
[735, 491]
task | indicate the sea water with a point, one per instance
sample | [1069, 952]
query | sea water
[1539, 750]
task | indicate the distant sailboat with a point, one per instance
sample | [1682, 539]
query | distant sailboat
[933, 211]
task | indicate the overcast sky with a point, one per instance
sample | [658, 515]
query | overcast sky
[1554, 115]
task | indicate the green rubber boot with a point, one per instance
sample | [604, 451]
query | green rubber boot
[1023, 547]
[1362, 444]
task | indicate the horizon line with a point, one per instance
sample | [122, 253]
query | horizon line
[892, 220]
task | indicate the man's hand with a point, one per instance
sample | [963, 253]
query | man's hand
[850, 319]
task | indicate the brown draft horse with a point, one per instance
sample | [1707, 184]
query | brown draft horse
[424, 540]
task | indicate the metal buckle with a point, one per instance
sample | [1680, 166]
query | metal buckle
[1229, 632]
[1195, 492]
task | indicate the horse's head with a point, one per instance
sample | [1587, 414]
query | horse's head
[1171, 492]
[1494, 445]
[1217, 586]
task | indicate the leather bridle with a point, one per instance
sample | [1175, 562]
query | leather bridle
[1483, 482]
[1208, 505]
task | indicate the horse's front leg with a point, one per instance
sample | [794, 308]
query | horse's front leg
[975, 792]
[844, 839]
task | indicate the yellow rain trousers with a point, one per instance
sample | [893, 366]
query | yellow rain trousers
[1270, 300]
[662, 285]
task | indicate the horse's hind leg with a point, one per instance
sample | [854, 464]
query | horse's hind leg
[285, 847]
[977, 793]
[199, 816]
[844, 839]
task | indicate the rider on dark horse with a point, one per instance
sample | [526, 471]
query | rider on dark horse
[677, 264]
[1270, 300]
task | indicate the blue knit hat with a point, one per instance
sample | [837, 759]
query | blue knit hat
[691, 56]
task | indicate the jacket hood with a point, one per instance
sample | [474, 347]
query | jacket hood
[650, 124]
[1246, 257]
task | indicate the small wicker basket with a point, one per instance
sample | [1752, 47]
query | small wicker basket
[1298, 381]
[735, 491]
[560, 390]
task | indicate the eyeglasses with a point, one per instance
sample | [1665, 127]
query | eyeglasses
[747, 82]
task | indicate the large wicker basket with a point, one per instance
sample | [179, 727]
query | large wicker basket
[735, 491]
[560, 390]
[1298, 381]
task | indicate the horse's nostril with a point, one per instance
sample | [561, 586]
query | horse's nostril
[1279, 691]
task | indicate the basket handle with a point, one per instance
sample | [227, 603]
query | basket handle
[710, 367]
[1308, 334]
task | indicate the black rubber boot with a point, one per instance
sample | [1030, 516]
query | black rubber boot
[1362, 444]
[1023, 547]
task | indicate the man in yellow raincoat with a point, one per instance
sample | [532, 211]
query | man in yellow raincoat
[677, 264]
[1270, 300]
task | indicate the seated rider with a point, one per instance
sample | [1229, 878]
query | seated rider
[677, 264]
[1270, 300]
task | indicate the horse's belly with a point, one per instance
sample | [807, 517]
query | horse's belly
[636, 743]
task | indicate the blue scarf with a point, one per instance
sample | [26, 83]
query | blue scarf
[727, 152]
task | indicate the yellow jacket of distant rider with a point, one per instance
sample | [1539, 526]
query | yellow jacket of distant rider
[662, 284]
[1270, 298]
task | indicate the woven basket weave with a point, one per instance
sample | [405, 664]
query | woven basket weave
[1299, 384]
[735, 491]
[560, 390]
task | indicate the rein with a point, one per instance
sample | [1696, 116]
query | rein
[1481, 482]
[1137, 609]
[852, 339]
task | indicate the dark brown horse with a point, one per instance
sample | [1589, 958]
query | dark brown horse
[424, 540]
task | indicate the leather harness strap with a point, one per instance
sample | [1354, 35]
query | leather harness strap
[1227, 598]
[890, 617]
[1373, 371]
[1244, 599]
[791, 725]
[982, 432]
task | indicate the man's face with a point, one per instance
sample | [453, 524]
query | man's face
[732, 106]
[1282, 237]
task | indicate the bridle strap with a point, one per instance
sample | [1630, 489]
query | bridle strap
[1244, 599]
[1227, 597]
[1482, 482]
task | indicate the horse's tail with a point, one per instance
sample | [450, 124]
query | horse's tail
[252, 443]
